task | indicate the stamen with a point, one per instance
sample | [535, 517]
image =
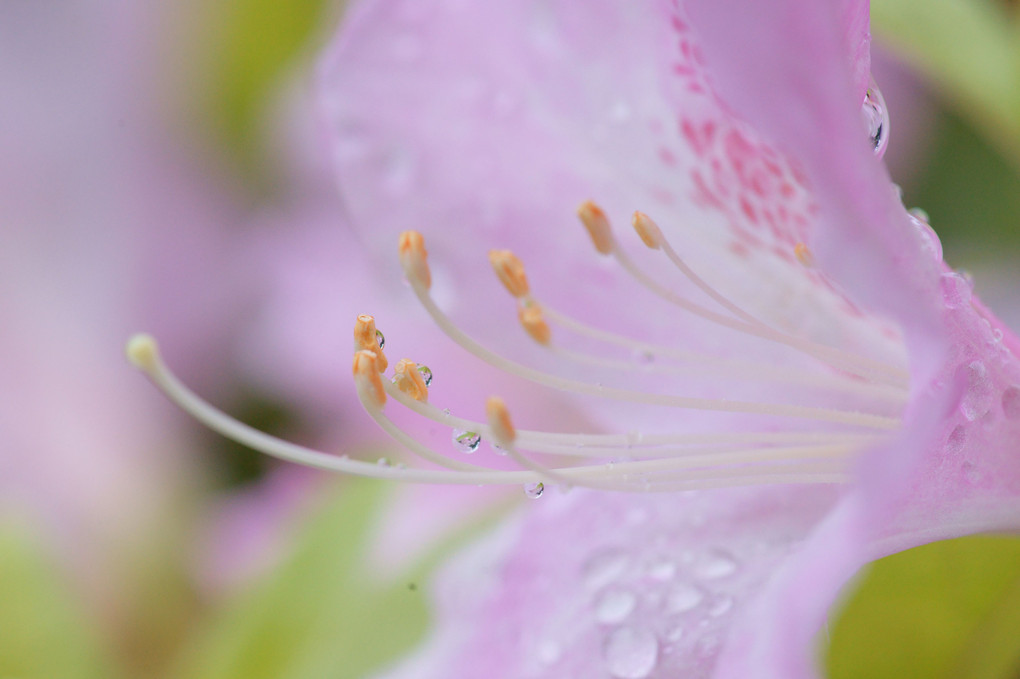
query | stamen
[500, 426]
[803, 254]
[143, 353]
[414, 259]
[714, 365]
[649, 231]
[722, 405]
[510, 271]
[367, 381]
[595, 220]
[852, 363]
[534, 323]
[410, 381]
[366, 337]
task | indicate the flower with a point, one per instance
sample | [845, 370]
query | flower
[845, 394]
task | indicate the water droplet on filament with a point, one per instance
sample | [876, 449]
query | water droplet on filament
[426, 374]
[466, 441]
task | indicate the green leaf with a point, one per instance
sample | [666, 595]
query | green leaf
[949, 610]
[319, 614]
[968, 50]
[43, 632]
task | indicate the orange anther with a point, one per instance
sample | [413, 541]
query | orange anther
[499, 422]
[803, 254]
[367, 380]
[532, 319]
[366, 338]
[595, 220]
[649, 231]
[414, 259]
[510, 270]
[410, 381]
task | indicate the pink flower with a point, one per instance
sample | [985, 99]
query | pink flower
[821, 390]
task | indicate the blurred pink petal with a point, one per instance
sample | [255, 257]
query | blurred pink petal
[106, 229]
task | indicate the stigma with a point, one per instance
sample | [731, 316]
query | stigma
[797, 444]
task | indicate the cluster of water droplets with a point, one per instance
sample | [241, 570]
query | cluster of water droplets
[647, 609]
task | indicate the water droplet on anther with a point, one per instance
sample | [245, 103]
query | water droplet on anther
[380, 339]
[876, 118]
[426, 374]
[956, 290]
[466, 441]
[534, 490]
[631, 653]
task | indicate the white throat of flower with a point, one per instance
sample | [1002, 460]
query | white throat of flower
[622, 462]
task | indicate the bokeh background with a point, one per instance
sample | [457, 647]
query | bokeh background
[159, 170]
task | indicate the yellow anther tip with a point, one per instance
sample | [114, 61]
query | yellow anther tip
[533, 321]
[367, 380]
[143, 351]
[510, 270]
[595, 220]
[410, 381]
[365, 339]
[414, 258]
[803, 254]
[498, 416]
[651, 234]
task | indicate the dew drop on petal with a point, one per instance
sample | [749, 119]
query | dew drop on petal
[604, 569]
[1011, 403]
[978, 399]
[957, 438]
[715, 564]
[721, 606]
[683, 597]
[534, 490]
[662, 570]
[614, 606]
[466, 441]
[929, 239]
[380, 339]
[876, 118]
[630, 653]
[426, 374]
[956, 290]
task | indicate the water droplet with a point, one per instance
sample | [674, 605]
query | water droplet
[380, 339]
[720, 606]
[715, 564]
[426, 374]
[957, 438]
[683, 597]
[1011, 403]
[534, 490]
[604, 569]
[956, 290]
[876, 118]
[929, 239]
[549, 652]
[978, 399]
[662, 570]
[614, 606]
[466, 441]
[631, 653]
[920, 214]
[384, 462]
